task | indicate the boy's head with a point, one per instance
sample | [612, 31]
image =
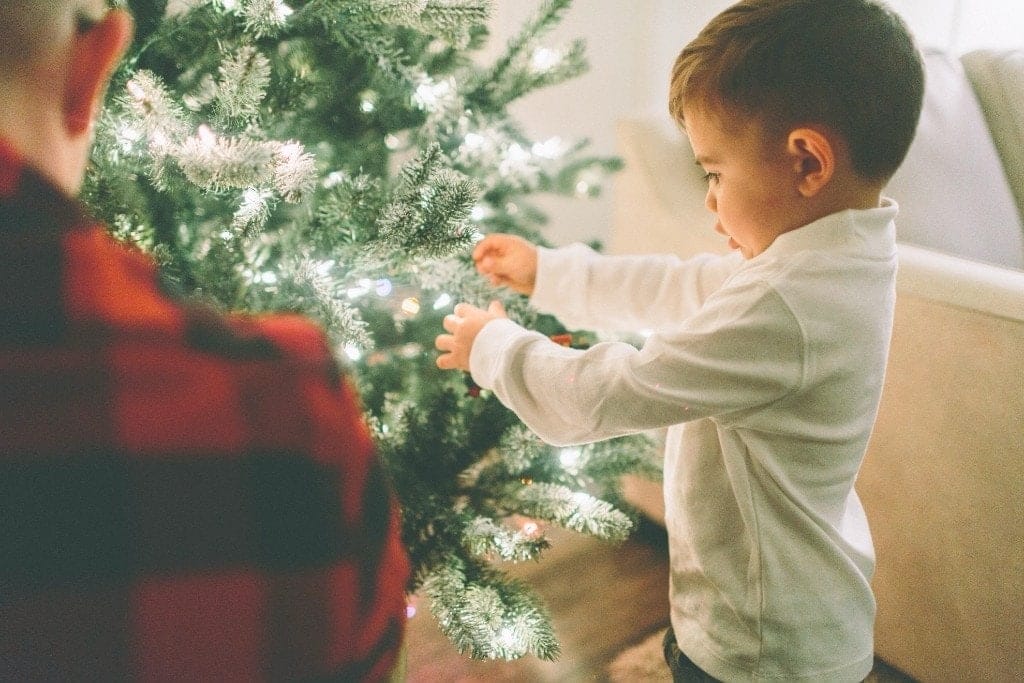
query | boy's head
[849, 66]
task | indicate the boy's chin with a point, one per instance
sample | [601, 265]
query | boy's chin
[745, 252]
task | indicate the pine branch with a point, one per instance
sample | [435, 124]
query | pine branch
[429, 216]
[547, 17]
[453, 20]
[489, 616]
[295, 172]
[545, 68]
[239, 92]
[573, 510]
[484, 538]
[264, 18]
[217, 163]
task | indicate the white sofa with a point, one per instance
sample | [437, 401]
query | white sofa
[943, 480]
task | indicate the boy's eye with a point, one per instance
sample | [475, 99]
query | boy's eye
[710, 178]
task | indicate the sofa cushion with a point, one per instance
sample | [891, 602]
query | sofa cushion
[998, 80]
[953, 193]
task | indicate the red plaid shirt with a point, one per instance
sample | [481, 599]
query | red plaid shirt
[183, 496]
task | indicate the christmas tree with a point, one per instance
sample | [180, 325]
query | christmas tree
[339, 158]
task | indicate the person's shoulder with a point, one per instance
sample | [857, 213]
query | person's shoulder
[295, 336]
[283, 337]
[120, 288]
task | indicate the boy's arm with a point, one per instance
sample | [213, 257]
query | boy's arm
[735, 355]
[586, 290]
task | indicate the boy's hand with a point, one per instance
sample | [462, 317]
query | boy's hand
[507, 260]
[464, 324]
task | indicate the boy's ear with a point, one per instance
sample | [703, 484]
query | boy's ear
[96, 50]
[814, 159]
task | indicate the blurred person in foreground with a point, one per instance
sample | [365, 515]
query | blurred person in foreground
[183, 495]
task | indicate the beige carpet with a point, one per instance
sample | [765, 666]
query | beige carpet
[643, 663]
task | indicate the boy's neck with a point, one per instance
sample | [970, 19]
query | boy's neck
[845, 193]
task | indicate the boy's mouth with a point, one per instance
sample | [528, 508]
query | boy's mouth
[733, 244]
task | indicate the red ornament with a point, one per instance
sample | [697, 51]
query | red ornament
[562, 339]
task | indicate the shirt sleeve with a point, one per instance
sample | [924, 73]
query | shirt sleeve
[584, 289]
[743, 350]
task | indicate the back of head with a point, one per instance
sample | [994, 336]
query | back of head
[29, 27]
[849, 65]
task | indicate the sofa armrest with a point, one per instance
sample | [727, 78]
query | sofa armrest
[961, 283]
[943, 478]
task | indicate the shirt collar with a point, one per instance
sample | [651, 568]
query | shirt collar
[11, 165]
[868, 232]
[29, 201]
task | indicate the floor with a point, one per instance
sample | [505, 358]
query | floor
[604, 598]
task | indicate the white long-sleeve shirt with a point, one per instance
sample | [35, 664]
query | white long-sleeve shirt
[768, 374]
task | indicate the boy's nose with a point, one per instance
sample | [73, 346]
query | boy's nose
[710, 202]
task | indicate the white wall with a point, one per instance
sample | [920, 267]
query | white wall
[631, 46]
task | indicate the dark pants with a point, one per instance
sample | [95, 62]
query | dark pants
[683, 670]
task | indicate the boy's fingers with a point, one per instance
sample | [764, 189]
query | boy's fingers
[444, 342]
[450, 323]
[496, 308]
[483, 247]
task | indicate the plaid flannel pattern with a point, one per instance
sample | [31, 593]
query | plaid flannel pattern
[183, 495]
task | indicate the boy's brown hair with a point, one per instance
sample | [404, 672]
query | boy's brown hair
[849, 65]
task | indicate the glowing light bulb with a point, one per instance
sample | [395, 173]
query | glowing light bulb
[411, 306]
[442, 301]
[206, 136]
[429, 94]
[473, 141]
[128, 136]
[282, 11]
[570, 458]
[552, 148]
[544, 59]
[507, 637]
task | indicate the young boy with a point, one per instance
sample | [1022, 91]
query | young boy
[766, 365]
